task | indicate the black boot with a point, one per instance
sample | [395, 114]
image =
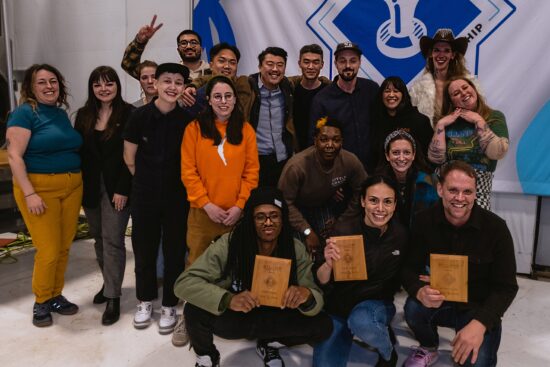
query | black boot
[393, 339]
[112, 311]
[391, 363]
[99, 298]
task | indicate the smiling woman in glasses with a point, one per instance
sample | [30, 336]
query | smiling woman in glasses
[219, 166]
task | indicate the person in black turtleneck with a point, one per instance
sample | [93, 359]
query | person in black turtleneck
[365, 308]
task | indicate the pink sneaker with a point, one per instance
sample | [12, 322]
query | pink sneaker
[421, 357]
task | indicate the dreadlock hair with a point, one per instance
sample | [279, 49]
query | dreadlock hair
[243, 241]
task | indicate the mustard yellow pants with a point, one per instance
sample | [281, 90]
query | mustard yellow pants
[53, 231]
[200, 233]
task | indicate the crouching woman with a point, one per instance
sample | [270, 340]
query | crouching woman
[365, 308]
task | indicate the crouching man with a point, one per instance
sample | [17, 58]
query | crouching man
[458, 226]
[217, 287]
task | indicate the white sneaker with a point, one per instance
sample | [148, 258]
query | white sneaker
[142, 318]
[180, 338]
[206, 361]
[168, 319]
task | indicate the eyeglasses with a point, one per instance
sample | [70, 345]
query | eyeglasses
[218, 97]
[192, 43]
[261, 218]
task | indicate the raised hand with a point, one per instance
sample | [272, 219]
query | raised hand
[146, 32]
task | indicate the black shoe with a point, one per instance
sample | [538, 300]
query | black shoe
[60, 305]
[99, 298]
[269, 354]
[391, 363]
[41, 314]
[112, 311]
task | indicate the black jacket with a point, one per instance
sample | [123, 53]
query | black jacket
[487, 242]
[384, 256]
[355, 113]
[104, 159]
[289, 133]
[408, 119]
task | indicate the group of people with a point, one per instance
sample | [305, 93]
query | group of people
[216, 168]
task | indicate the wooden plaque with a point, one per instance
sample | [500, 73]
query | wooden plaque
[449, 275]
[270, 279]
[352, 264]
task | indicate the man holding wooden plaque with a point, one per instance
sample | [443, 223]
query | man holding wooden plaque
[257, 264]
[471, 279]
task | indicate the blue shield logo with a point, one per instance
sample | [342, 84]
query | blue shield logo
[388, 31]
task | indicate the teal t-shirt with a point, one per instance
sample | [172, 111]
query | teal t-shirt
[54, 144]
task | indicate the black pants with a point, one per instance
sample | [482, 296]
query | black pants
[288, 327]
[270, 170]
[150, 218]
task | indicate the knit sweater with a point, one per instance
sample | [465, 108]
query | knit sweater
[224, 174]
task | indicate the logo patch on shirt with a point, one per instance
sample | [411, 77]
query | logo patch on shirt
[396, 253]
[337, 181]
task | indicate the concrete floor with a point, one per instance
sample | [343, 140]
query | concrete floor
[81, 340]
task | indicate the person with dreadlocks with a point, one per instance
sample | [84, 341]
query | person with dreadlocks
[217, 287]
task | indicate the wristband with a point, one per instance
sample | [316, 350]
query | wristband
[32, 193]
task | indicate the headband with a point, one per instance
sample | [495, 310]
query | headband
[396, 133]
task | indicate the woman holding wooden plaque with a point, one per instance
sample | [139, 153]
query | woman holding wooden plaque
[364, 308]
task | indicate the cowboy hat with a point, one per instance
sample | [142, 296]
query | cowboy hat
[459, 44]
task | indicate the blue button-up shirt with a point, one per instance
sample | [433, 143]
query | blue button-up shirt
[269, 132]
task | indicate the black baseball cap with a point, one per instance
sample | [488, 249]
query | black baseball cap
[173, 68]
[347, 46]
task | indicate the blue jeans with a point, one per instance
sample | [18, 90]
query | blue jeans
[369, 321]
[424, 321]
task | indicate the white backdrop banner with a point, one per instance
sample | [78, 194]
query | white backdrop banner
[507, 51]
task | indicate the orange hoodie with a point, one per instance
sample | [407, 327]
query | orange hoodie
[223, 175]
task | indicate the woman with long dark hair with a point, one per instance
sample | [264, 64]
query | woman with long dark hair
[106, 181]
[394, 111]
[219, 166]
[365, 308]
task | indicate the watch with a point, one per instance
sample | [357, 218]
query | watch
[307, 232]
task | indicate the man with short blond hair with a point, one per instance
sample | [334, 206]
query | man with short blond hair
[456, 225]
